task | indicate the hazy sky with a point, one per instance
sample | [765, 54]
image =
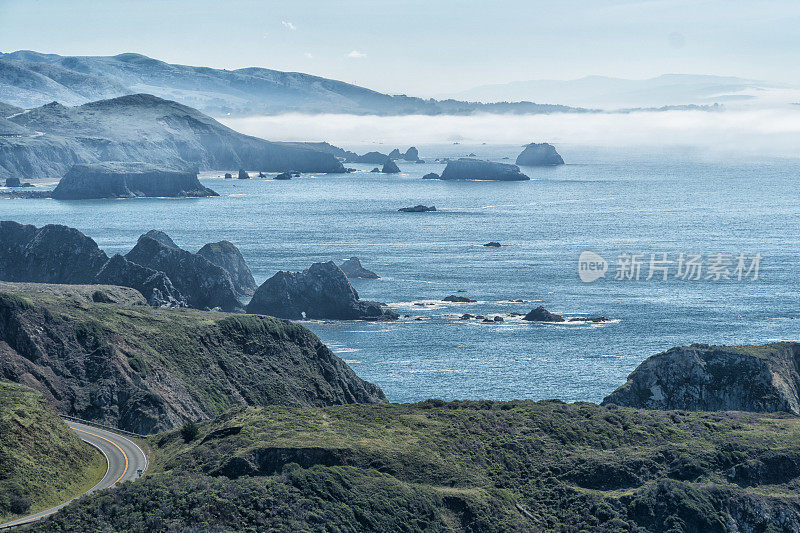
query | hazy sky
[426, 47]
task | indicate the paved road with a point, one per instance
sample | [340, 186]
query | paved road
[124, 459]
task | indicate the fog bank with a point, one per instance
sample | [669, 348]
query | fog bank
[774, 132]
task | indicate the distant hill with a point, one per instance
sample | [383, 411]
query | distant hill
[30, 79]
[605, 92]
[143, 128]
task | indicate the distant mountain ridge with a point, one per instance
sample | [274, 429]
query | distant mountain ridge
[31, 79]
[607, 92]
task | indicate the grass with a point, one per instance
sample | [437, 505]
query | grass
[42, 461]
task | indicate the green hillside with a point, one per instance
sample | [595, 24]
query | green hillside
[463, 466]
[42, 461]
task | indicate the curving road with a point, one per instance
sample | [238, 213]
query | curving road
[125, 459]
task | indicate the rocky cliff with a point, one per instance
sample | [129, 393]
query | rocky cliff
[476, 169]
[321, 291]
[127, 180]
[539, 155]
[145, 369]
[716, 378]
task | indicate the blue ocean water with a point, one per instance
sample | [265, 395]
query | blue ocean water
[610, 201]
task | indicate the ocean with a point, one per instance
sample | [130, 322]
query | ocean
[611, 201]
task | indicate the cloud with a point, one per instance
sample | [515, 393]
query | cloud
[308, 55]
[772, 132]
[288, 25]
[355, 54]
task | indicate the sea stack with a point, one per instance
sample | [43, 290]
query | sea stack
[476, 169]
[539, 155]
[320, 292]
[128, 180]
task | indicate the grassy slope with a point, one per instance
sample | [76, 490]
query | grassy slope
[42, 461]
[465, 466]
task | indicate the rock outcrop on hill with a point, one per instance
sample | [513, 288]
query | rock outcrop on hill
[203, 284]
[476, 169]
[146, 370]
[716, 378]
[127, 180]
[227, 256]
[539, 155]
[352, 269]
[320, 292]
[147, 129]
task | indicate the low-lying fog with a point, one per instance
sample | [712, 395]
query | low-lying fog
[767, 132]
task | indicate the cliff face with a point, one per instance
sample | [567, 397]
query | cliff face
[127, 180]
[475, 169]
[145, 369]
[716, 378]
[146, 129]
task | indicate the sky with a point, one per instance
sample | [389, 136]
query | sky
[430, 47]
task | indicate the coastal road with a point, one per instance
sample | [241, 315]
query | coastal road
[124, 457]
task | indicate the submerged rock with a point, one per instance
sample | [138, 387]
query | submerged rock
[540, 314]
[716, 378]
[492, 244]
[226, 255]
[375, 170]
[283, 176]
[418, 209]
[320, 292]
[431, 176]
[228, 176]
[454, 298]
[243, 175]
[539, 155]
[204, 284]
[352, 269]
[13, 182]
[128, 180]
[390, 167]
[476, 169]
